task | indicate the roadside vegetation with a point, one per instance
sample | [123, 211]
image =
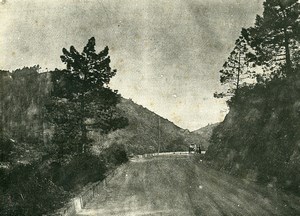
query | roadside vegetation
[259, 138]
[63, 129]
[51, 156]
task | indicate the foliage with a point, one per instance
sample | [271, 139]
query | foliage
[45, 185]
[260, 134]
[237, 68]
[81, 100]
[6, 147]
[79, 171]
[116, 154]
[271, 47]
[23, 92]
[26, 191]
[275, 36]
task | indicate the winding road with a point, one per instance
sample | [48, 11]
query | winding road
[178, 185]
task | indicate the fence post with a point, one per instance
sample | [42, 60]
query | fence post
[77, 204]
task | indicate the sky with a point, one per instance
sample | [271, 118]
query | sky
[167, 53]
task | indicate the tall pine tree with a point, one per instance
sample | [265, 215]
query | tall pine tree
[81, 99]
[236, 71]
[275, 36]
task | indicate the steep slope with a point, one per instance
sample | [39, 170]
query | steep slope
[259, 137]
[23, 95]
[25, 92]
[147, 132]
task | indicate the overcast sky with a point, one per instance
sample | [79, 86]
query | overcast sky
[167, 52]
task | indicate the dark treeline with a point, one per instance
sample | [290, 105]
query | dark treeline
[30, 89]
[259, 138]
[268, 50]
[46, 151]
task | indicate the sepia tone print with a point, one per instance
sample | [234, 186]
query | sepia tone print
[139, 107]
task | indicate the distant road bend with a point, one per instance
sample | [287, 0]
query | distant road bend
[177, 185]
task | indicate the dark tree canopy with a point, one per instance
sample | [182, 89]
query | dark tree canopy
[81, 98]
[275, 36]
[270, 48]
[90, 70]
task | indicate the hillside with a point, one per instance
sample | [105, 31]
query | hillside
[147, 132]
[23, 95]
[259, 138]
[27, 162]
[25, 92]
[205, 134]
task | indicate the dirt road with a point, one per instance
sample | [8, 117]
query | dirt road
[179, 186]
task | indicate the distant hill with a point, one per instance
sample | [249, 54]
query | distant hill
[147, 132]
[207, 130]
[204, 134]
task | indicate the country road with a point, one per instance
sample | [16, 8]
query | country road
[179, 186]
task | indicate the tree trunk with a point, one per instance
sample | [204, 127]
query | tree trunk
[83, 140]
[238, 75]
[286, 44]
[287, 53]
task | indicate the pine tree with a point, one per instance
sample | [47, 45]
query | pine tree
[81, 98]
[275, 36]
[236, 70]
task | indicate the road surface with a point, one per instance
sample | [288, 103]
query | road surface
[180, 186]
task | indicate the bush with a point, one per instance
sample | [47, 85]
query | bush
[44, 186]
[116, 155]
[26, 191]
[6, 148]
[81, 170]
